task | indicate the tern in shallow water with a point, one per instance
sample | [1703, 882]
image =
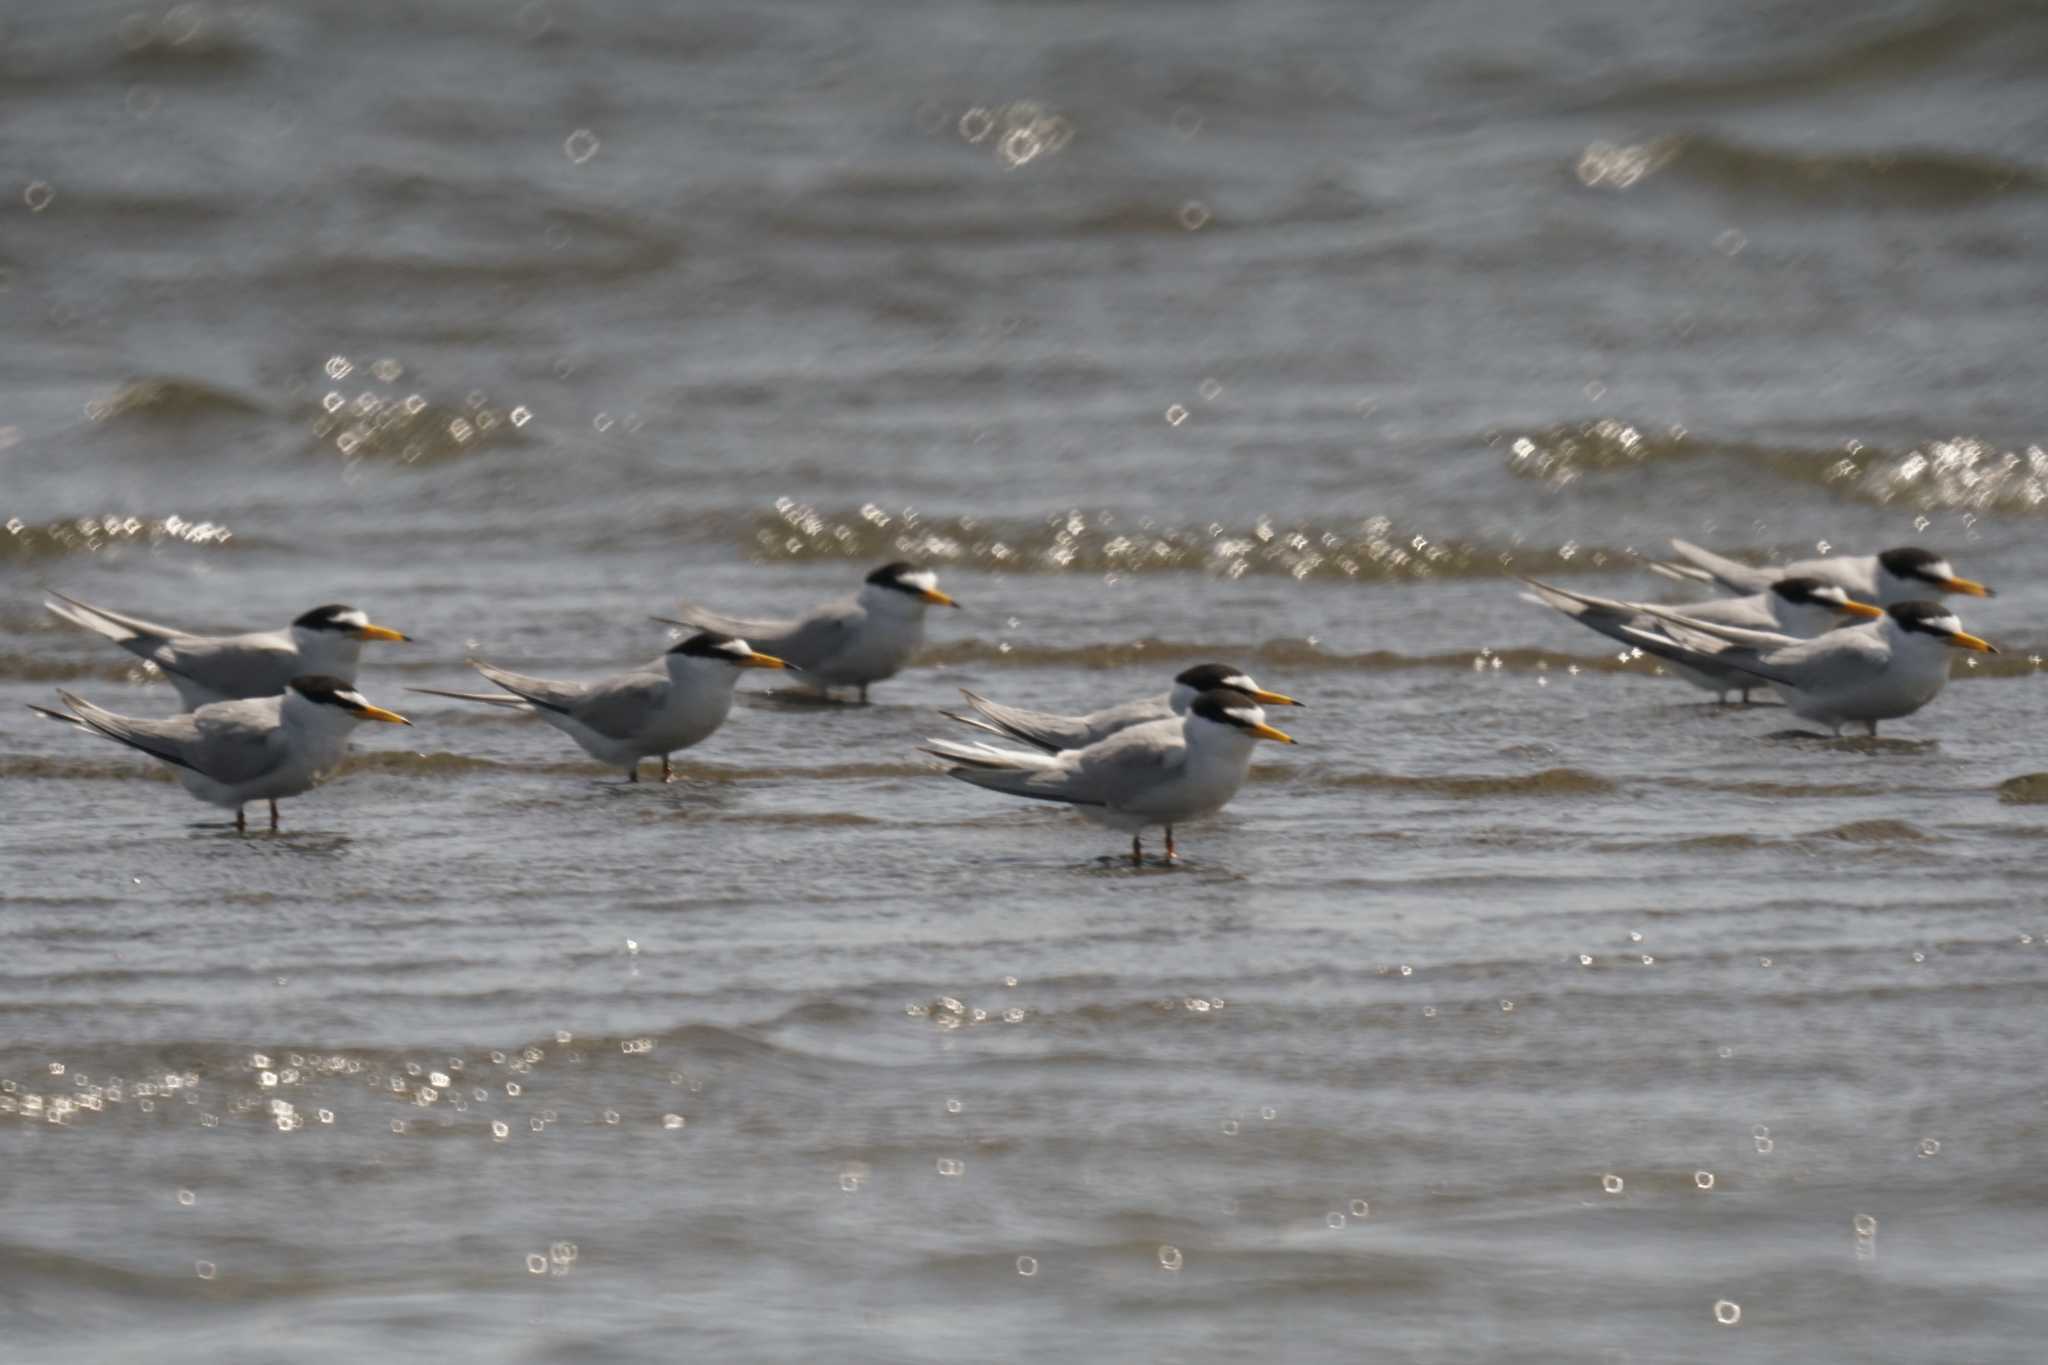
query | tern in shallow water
[672, 703]
[324, 642]
[229, 753]
[1798, 607]
[853, 642]
[1051, 732]
[1163, 772]
[1880, 670]
[1902, 575]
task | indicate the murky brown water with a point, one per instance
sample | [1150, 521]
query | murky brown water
[1530, 1010]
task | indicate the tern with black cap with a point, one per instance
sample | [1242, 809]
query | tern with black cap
[1051, 732]
[1797, 607]
[853, 642]
[1880, 670]
[672, 703]
[324, 642]
[229, 753]
[1163, 772]
[1905, 574]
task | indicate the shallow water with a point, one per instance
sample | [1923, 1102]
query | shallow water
[1530, 1009]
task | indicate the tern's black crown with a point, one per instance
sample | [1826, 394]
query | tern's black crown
[1202, 677]
[333, 616]
[1802, 591]
[708, 644]
[1929, 618]
[1910, 562]
[892, 576]
[321, 687]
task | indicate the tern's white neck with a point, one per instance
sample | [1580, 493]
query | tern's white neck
[333, 652]
[699, 670]
[881, 601]
[1227, 743]
[1801, 618]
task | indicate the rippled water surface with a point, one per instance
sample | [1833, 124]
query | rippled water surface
[1533, 1008]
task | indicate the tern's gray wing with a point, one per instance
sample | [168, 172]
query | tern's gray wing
[1052, 732]
[807, 641]
[1674, 621]
[616, 708]
[233, 666]
[1603, 614]
[230, 742]
[257, 665]
[1752, 612]
[1833, 660]
[132, 632]
[620, 708]
[1118, 769]
[1704, 652]
[1730, 574]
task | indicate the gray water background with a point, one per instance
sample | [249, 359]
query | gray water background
[1277, 333]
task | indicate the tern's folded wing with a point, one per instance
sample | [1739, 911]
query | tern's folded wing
[1704, 654]
[1729, 573]
[622, 707]
[1041, 729]
[229, 742]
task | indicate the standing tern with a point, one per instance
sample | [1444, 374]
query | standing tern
[1797, 607]
[229, 753]
[1163, 772]
[1902, 575]
[1880, 670]
[324, 642]
[1051, 733]
[672, 703]
[853, 642]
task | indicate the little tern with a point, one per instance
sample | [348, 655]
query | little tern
[1905, 574]
[1880, 670]
[853, 642]
[324, 642]
[1163, 772]
[1798, 607]
[228, 753]
[1052, 733]
[672, 703]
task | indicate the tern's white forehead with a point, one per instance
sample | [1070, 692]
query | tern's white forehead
[923, 579]
[1951, 623]
[737, 647]
[1940, 569]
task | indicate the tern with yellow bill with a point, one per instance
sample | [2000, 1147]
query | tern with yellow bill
[1052, 732]
[1905, 574]
[672, 703]
[324, 642]
[229, 753]
[853, 642]
[1795, 607]
[1864, 674]
[1163, 772]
